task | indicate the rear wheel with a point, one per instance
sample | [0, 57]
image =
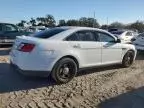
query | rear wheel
[64, 70]
[128, 59]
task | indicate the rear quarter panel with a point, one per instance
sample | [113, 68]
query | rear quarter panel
[59, 49]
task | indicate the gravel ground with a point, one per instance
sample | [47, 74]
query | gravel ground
[105, 87]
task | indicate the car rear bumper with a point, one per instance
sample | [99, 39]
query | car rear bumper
[30, 72]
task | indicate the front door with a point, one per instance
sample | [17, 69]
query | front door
[111, 51]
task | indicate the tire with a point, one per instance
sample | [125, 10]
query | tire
[128, 59]
[64, 70]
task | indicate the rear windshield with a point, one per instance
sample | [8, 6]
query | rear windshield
[117, 32]
[49, 33]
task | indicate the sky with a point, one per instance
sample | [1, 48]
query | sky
[125, 11]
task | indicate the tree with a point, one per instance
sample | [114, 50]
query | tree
[83, 21]
[33, 22]
[72, 22]
[41, 21]
[105, 27]
[138, 25]
[93, 23]
[62, 23]
[22, 23]
[117, 25]
[50, 21]
[88, 22]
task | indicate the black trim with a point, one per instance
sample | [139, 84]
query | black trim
[29, 72]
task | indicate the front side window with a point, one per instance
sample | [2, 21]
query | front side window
[106, 37]
[83, 36]
[9, 27]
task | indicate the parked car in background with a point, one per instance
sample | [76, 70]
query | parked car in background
[113, 30]
[37, 29]
[125, 36]
[139, 42]
[8, 33]
[61, 52]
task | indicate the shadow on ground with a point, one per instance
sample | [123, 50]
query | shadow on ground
[132, 99]
[140, 55]
[11, 80]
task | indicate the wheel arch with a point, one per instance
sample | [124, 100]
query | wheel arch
[71, 57]
[131, 51]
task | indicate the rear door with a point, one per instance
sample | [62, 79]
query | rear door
[87, 45]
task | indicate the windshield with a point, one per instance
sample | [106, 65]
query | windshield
[117, 32]
[49, 33]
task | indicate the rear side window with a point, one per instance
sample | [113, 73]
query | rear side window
[49, 33]
[83, 36]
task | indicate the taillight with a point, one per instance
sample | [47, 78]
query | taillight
[26, 47]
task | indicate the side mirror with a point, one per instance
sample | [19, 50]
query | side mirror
[118, 41]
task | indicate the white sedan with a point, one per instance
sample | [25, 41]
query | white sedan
[62, 51]
[139, 42]
[125, 36]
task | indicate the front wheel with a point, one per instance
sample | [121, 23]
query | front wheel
[64, 70]
[128, 59]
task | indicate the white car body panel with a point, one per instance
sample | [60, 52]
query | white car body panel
[111, 52]
[48, 51]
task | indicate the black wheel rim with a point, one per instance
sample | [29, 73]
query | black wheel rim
[128, 59]
[66, 70]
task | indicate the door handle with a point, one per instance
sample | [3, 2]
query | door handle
[77, 46]
[105, 46]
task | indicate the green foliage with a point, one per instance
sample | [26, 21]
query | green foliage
[21, 24]
[62, 23]
[138, 25]
[83, 22]
[72, 22]
[117, 25]
[49, 21]
[88, 22]
[105, 27]
[32, 22]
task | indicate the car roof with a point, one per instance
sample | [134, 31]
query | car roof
[72, 29]
[80, 28]
[75, 28]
